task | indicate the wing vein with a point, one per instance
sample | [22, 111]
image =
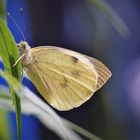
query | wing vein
[43, 81]
[75, 91]
[58, 91]
[63, 67]
[51, 69]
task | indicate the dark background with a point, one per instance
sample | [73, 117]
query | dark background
[113, 111]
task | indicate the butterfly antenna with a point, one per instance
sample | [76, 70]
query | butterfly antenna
[16, 25]
[23, 21]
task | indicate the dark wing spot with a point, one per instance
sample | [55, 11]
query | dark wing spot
[75, 73]
[64, 83]
[34, 60]
[74, 59]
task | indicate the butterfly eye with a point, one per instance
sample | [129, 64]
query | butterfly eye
[21, 48]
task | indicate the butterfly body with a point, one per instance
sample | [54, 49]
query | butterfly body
[66, 79]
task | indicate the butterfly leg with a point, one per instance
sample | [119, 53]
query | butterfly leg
[19, 59]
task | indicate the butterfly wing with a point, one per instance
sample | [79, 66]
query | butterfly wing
[64, 78]
[103, 72]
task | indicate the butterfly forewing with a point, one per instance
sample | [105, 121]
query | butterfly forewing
[65, 79]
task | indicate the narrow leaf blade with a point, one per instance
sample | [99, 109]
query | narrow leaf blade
[3, 9]
[9, 54]
[112, 16]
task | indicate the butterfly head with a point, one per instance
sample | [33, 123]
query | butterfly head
[24, 50]
[23, 47]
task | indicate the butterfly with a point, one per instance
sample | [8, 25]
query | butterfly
[66, 79]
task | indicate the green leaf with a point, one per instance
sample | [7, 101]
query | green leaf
[40, 110]
[9, 51]
[34, 104]
[9, 54]
[112, 16]
[3, 9]
[4, 126]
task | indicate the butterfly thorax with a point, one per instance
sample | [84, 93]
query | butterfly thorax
[24, 50]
